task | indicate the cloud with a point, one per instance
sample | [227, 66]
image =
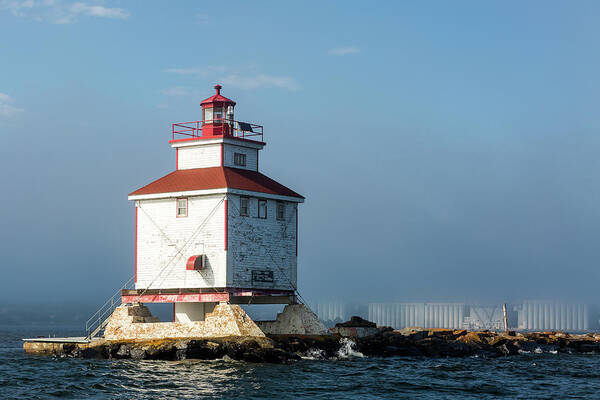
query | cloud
[174, 91]
[245, 77]
[59, 12]
[7, 109]
[344, 51]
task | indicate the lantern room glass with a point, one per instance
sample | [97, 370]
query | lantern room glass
[213, 115]
[208, 115]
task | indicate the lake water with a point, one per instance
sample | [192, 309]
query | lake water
[528, 376]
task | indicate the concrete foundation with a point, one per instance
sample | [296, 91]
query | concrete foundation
[136, 322]
[296, 319]
[208, 320]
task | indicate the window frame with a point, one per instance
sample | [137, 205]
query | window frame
[247, 214]
[282, 205]
[177, 207]
[239, 159]
[266, 208]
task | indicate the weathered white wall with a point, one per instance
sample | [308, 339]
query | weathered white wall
[209, 155]
[251, 156]
[203, 156]
[261, 244]
[159, 265]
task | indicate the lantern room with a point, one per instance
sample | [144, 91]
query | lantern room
[217, 115]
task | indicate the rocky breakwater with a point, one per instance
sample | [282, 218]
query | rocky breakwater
[461, 343]
[251, 349]
[354, 338]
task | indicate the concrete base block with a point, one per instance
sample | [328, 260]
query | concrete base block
[136, 322]
[296, 319]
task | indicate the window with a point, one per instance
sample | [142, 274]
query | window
[239, 159]
[208, 115]
[262, 209]
[280, 210]
[218, 114]
[244, 206]
[182, 208]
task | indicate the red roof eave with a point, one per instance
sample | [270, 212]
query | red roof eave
[184, 180]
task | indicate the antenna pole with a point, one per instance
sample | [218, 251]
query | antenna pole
[505, 319]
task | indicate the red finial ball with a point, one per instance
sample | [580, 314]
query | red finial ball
[218, 88]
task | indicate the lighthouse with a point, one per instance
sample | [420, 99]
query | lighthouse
[216, 229]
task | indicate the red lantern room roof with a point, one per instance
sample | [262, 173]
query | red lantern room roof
[217, 98]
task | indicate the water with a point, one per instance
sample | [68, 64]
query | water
[528, 376]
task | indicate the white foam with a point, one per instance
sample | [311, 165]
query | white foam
[348, 349]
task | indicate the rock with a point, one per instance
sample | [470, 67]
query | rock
[508, 349]
[356, 322]
[137, 353]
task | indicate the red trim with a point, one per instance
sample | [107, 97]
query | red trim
[177, 158]
[176, 298]
[226, 218]
[222, 154]
[173, 312]
[136, 244]
[296, 230]
[212, 297]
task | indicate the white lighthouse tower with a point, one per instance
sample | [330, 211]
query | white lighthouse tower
[215, 229]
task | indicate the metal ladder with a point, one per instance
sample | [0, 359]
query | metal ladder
[99, 319]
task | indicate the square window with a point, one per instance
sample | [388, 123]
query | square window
[182, 207]
[244, 206]
[239, 159]
[280, 210]
[262, 209]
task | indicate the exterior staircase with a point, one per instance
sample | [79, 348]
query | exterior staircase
[97, 322]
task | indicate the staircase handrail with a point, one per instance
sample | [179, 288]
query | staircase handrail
[100, 316]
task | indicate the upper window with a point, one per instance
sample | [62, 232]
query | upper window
[182, 207]
[262, 209]
[244, 206]
[239, 159]
[280, 210]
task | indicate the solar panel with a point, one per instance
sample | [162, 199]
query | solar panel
[244, 126]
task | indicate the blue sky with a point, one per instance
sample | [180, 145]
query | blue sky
[447, 150]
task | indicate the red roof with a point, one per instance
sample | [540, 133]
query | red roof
[217, 98]
[184, 180]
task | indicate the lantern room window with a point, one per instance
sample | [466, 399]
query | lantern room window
[280, 210]
[208, 115]
[218, 114]
[182, 208]
[262, 209]
[244, 206]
